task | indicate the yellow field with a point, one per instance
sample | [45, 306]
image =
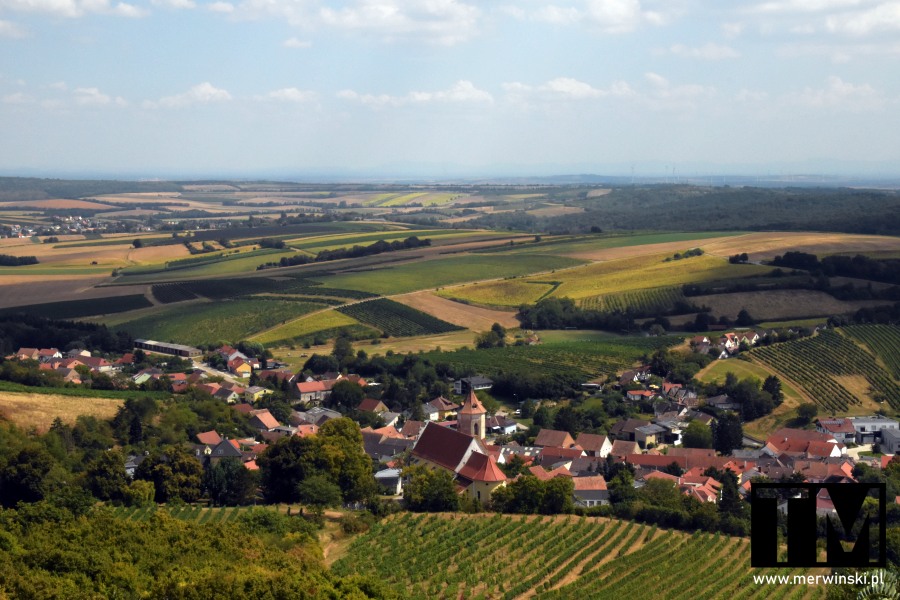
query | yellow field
[470, 317]
[764, 246]
[56, 203]
[510, 292]
[306, 325]
[39, 410]
[666, 248]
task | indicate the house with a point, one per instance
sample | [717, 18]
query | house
[724, 402]
[554, 438]
[240, 367]
[225, 449]
[372, 405]
[622, 448]
[465, 456]
[439, 409]
[314, 416]
[890, 441]
[656, 462]
[390, 418]
[649, 434]
[801, 442]
[255, 393]
[839, 428]
[412, 429]
[625, 429]
[389, 482]
[383, 448]
[501, 425]
[209, 438]
[546, 475]
[638, 395]
[551, 456]
[48, 354]
[467, 384]
[868, 429]
[314, 391]
[594, 445]
[229, 396]
[263, 420]
[590, 491]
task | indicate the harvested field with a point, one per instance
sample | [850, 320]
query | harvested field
[780, 304]
[645, 249]
[57, 203]
[765, 246]
[37, 289]
[470, 317]
[157, 254]
[596, 193]
[39, 410]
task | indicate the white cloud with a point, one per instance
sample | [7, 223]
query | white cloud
[221, 7]
[296, 43]
[460, 92]
[443, 22]
[709, 51]
[290, 94]
[73, 8]
[11, 30]
[203, 93]
[94, 97]
[558, 15]
[17, 98]
[564, 89]
[59, 85]
[882, 18]
[803, 6]
[663, 95]
[606, 16]
[839, 94]
[732, 30]
[179, 4]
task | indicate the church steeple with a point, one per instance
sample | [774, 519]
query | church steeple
[471, 417]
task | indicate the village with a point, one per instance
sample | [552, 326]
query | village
[481, 450]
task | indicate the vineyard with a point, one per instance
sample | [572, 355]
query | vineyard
[396, 319]
[222, 289]
[74, 309]
[644, 302]
[506, 557]
[882, 340]
[565, 359]
[815, 362]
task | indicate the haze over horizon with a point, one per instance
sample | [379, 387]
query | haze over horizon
[449, 88]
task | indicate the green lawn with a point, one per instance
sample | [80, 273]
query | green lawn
[446, 271]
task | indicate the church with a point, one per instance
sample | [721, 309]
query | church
[462, 452]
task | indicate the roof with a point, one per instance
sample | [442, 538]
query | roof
[553, 437]
[266, 418]
[310, 387]
[412, 428]
[472, 405]
[655, 460]
[480, 467]
[210, 438]
[442, 446]
[838, 425]
[545, 475]
[441, 404]
[370, 405]
[623, 447]
[592, 483]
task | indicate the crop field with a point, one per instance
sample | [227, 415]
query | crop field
[207, 323]
[765, 246]
[647, 302]
[825, 365]
[564, 359]
[39, 410]
[507, 293]
[470, 317]
[305, 326]
[395, 319]
[74, 309]
[603, 247]
[779, 304]
[332, 242]
[883, 341]
[468, 556]
[224, 289]
[430, 274]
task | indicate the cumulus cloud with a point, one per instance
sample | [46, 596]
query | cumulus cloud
[807, 6]
[179, 4]
[605, 16]
[10, 30]
[220, 7]
[73, 8]
[839, 94]
[444, 22]
[94, 97]
[882, 18]
[460, 92]
[710, 51]
[203, 93]
[296, 43]
[290, 94]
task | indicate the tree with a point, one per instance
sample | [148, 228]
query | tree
[175, 473]
[24, 479]
[807, 411]
[557, 497]
[621, 487]
[772, 385]
[346, 396]
[106, 478]
[230, 483]
[429, 490]
[344, 460]
[319, 492]
[727, 433]
[744, 319]
[697, 435]
[283, 466]
[138, 243]
[343, 351]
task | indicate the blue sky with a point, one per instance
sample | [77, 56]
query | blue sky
[448, 87]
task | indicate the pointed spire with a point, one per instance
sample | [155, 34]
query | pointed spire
[472, 406]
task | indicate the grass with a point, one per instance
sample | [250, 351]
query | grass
[602, 242]
[430, 274]
[207, 322]
[508, 293]
[232, 266]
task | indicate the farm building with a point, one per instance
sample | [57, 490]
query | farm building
[166, 348]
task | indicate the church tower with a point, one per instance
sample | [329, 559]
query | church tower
[471, 417]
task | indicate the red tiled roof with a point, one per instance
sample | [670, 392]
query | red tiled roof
[592, 483]
[309, 387]
[370, 405]
[412, 428]
[243, 408]
[623, 447]
[552, 437]
[591, 442]
[657, 461]
[442, 446]
[480, 467]
[837, 425]
[472, 406]
[545, 475]
[265, 417]
[210, 438]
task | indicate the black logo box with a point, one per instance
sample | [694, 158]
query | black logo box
[802, 533]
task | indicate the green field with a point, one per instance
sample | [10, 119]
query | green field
[743, 369]
[514, 556]
[306, 326]
[429, 274]
[610, 278]
[579, 244]
[231, 266]
[209, 323]
[502, 294]
[395, 319]
[74, 309]
[346, 240]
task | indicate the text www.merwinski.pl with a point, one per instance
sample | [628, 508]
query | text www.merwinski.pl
[833, 579]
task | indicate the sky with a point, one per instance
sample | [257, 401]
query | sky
[447, 88]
